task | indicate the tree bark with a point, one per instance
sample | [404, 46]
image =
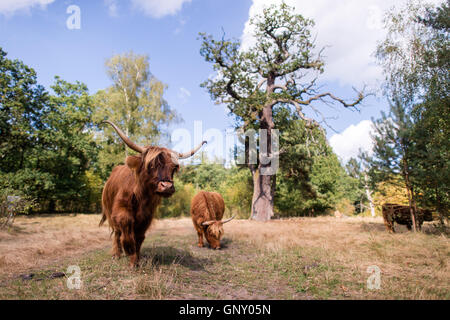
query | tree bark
[263, 186]
[262, 202]
[412, 203]
[369, 194]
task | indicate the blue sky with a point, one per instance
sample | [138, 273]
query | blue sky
[35, 32]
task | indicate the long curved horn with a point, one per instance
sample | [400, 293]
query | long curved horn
[190, 153]
[125, 139]
[207, 223]
[228, 220]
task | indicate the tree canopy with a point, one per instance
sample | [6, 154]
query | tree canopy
[279, 69]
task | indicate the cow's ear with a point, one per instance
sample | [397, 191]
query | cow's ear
[133, 162]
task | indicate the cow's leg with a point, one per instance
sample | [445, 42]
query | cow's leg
[117, 246]
[128, 241]
[200, 238]
[389, 226]
[409, 226]
[129, 246]
[139, 241]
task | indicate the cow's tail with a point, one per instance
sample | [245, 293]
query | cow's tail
[102, 220]
[212, 214]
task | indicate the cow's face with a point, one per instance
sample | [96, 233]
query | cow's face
[213, 234]
[155, 166]
[155, 169]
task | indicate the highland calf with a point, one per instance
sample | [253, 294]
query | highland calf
[134, 191]
[402, 215]
[207, 210]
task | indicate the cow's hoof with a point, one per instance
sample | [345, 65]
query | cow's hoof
[200, 245]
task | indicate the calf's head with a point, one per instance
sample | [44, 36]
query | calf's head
[214, 231]
[154, 167]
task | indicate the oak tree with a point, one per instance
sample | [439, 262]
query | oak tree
[279, 69]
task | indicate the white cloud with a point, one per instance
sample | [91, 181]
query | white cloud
[347, 144]
[185, 92]
[112, 7]
[158, 8]
[349, 28]
[9, 7]
[184, 95]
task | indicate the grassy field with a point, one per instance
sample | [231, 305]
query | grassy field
[302, 258]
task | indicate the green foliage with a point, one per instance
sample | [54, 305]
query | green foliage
[415, 58]
[361, 184]
[265, 86]
[207, 176]
[328, 184]
[237, 191]
[46, 139]
[311, 178]
[393, 144]
[283, 45]
[91, 199]
[135, 103]
[13, 202]
[70, 148]
[234, 184]
[390, 191]
[432, 127]
[346, 206]
[180, 203]
[22, 104]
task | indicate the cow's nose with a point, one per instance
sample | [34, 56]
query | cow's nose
[165, 185]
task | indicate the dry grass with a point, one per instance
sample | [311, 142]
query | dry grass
[37, 241]
[413, 266]
[302, 258]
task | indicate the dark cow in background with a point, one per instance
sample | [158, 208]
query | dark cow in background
[207, 210]
[402, 215]
[133, 192]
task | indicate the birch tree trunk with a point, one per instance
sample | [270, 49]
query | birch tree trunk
[369, 195]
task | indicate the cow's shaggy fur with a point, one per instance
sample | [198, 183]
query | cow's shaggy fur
[402, 215]
[131, 195]
[208, 207]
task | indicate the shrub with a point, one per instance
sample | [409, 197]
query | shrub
[179, 204]
[12, 203]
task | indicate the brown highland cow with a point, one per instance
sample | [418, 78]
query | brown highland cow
[207, 210]
[133, 192]
[402, 215]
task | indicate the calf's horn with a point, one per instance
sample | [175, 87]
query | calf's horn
[228, 220]
[207, 223]
[125, 139]
[190, 153]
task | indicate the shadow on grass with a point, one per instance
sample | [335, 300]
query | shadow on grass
[15, 229]
[373, 227]
[224, 244]
[427, 228]
[158, 256]
[436, 228]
